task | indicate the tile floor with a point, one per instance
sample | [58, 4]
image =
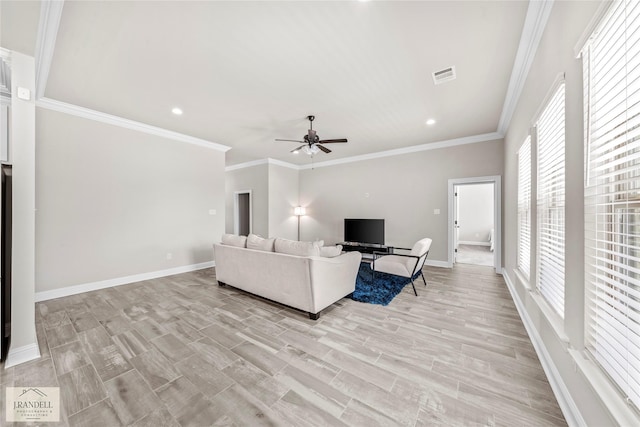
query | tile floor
[182, 351]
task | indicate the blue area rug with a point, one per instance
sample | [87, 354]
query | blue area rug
[382, 291]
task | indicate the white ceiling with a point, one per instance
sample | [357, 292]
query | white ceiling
[246, 73]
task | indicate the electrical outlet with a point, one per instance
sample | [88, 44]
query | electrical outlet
[169, 255]
[212, 212]
[436, 211]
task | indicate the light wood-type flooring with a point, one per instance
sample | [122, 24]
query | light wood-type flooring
[182, 351]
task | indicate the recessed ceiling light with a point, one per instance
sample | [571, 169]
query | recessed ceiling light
[295, 151]
[177, 111]
[431, 122]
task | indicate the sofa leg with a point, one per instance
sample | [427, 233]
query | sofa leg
[314, 316]
[221, 284]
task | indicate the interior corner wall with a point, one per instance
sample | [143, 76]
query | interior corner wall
[283, 198]
[555, 55]
[113, 202]
[404, 190]
[256, 179]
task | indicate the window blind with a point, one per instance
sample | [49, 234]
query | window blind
[550, 203]
[524, 207]
[611, 66]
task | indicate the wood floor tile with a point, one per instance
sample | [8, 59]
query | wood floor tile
[80, 389]
[83, 321]
[214, 353]
[100, 414]
[61, 335]
[131, 343]
[177, 395]
[155, 368]
[68, 357]
[172, 347]
[209, 380]
[104, 354]
[262, 386]
[131, 397]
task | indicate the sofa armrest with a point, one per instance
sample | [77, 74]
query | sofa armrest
[333, 278]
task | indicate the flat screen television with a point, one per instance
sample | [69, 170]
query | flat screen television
[364, 231]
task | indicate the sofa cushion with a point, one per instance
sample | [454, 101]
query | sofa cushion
[330, 251]
[260, 243]
[233, 240]
[292, 247]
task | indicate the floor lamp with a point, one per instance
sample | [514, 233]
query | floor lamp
[298, 211]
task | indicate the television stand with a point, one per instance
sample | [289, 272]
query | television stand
[366, 248]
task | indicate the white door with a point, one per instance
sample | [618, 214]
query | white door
[456, 223]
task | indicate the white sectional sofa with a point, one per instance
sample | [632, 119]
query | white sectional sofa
[289, 272]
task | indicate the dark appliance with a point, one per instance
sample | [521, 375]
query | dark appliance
[5, 262]
[364, 231]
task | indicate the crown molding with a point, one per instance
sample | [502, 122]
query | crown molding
[537, 16]
[50, 15]
[486, 137]
[74, 110]
[267, 161]
[283, 164]
[407, 150]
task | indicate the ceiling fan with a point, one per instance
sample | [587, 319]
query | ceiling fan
[311, 142]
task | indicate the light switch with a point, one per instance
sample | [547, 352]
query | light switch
[24, 93]
[436, 211]
[212, 211]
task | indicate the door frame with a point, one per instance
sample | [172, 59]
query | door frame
[236, 211]
[497, 216]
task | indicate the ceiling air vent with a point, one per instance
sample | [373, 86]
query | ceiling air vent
[444, 75]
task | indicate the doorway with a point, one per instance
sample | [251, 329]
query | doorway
[475, 222]
[243, 217]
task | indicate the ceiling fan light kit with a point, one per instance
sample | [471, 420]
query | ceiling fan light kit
[311, 142]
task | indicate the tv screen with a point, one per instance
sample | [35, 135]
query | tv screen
[364, 231]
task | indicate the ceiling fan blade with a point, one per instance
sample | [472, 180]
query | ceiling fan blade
[288, 140]
[332, 141]
[325, 149]
[297, 149]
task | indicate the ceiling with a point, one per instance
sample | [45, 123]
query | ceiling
[245, 73]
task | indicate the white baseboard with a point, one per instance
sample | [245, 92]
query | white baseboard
[567, 404]
[436, 263]
[472, 243]
[22, 354]
[94, 286]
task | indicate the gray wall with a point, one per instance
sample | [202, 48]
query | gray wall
[113, 202]
[274, 196]
[475, 213]
[555, 55]
[404, 190]
[256, 179]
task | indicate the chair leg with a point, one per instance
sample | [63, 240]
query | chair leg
[414, 288]
[423, 279]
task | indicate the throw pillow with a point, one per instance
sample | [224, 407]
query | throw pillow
[292, 247]
[330, 251]
[233, 240]
[260, 243]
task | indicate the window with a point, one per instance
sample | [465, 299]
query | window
[550, 248]
[524, 207]
[611, 66]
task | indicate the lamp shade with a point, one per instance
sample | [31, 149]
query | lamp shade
[299, 211]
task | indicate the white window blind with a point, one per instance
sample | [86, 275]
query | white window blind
[550, 247]
[524, 207]
[611, 64]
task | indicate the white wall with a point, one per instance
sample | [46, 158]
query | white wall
[113, 202]
[475, 213]
[561, 341]
[283, 198]
[23, 145]
[404, 190]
